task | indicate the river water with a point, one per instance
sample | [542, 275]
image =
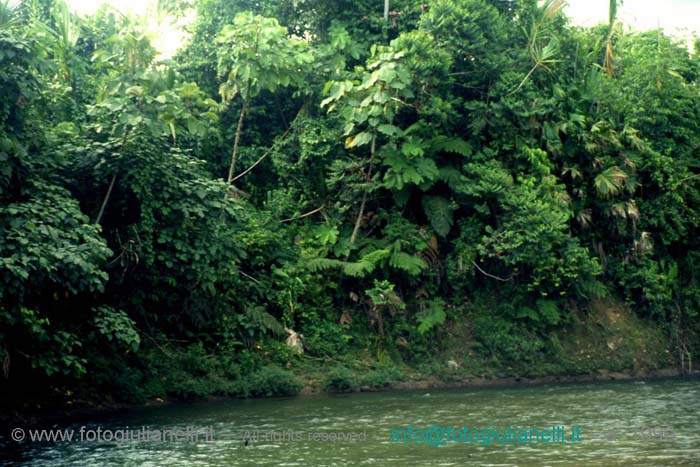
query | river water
[627, 423]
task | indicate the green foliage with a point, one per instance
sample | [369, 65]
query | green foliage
[432, 314]
[507, 342]
[256, 319]
[117, 327]
[272, 381]
[440, 214]
[381, 376]
[53, 352]
[341, 379]
[382, 294]
[257, 55]
[49, 243]
[394, 170]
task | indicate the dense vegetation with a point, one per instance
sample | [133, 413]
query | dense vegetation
[470, 171]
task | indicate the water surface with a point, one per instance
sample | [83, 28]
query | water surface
[622, 423]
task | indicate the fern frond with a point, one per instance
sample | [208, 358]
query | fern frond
[453, 145]
[432, 315]
[358, 269]
[451, 176]
[323, 264]
[264, 320]
[376, 255]
[366, 264]
[413, 265]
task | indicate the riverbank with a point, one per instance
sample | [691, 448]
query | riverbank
[604, 342]
[602, 375]
[41, 416]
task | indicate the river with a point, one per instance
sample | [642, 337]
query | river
[630, 423]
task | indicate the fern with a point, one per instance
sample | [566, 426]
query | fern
[431, 316]
[590, 288]
[376, 256]
[358, 269]
[451, 176]
[413, 265]
[364, 266]
[323, 264]
[549, 311]
[439, 214]
[453, 145]
[264, 320]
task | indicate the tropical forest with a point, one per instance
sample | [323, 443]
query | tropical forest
[336, 196]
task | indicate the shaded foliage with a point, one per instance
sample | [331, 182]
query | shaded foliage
[386, 174]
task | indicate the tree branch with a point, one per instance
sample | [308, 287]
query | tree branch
[491, 275]
[303, 215]
[267, 153]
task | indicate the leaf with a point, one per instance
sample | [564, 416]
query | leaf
[454, 145]
[527, 312]
[172, 131]
[358, 140]
[411, 264]
[389, 130]
[264, 320]
[323, 264]
[134, 91]
[411, 148]
[327, 234]
[610, 182]
[361, 268]
[439, 213]
[433, 315]
[451, 176]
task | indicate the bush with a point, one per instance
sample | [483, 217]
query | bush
[509, 342]
[341, 379]
[382, 377]
[270, 381]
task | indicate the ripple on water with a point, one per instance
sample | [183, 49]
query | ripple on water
[599, 409]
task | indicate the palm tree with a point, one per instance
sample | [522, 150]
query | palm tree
[8, 15]
[612, 16]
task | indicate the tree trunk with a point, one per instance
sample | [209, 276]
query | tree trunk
[361, 214]
[236, 140]
[111, 183]
[104, 201]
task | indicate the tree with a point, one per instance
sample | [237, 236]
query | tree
[256, 54]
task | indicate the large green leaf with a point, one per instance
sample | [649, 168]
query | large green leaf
[439, 213]
[610, 182]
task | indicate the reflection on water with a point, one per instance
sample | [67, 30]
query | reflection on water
[621, 423]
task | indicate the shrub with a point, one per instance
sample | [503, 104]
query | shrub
[271, 381]
[382, 377]
[341, 379]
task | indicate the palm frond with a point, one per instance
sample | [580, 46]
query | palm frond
[610, 182]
